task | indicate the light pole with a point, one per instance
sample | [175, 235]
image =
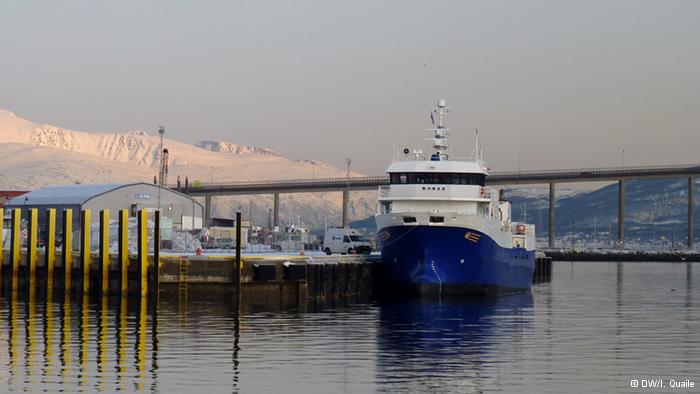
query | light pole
[161, 132]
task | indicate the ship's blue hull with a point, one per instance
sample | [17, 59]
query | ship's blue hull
[452, 260]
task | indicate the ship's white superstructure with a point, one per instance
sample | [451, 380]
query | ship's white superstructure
[440, 190]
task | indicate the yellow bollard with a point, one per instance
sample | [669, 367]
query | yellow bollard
[104, 250]
[85, 249]
[123, 255]
[143, 250]
[50, 251]
[14, 245]
[31, 245]
[67, 248]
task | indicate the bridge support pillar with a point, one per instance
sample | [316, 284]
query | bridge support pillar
[346, 200]
[275, 210]
[691, 211]
[552, 225]
[207, 210]
[621, 213]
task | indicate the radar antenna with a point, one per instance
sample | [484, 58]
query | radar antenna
[440, 138]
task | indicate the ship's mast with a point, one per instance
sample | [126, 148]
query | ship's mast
[440, 143]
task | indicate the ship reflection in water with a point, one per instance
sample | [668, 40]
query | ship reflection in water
[592, 329]
[445, 345]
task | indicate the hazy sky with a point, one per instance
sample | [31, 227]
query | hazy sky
[558, 83]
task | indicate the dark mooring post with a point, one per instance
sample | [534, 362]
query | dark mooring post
[50, 251]
[67, 248]
[15, 247]
[621, 213]
[104, 252]
[552, 225]
[85, 258]
[691, 211]
[237, 263]
[32, 238]
[142, 252]
[155, 272]
[123, 252]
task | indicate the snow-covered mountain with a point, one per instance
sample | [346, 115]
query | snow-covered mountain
[236, 149]
[36, 155]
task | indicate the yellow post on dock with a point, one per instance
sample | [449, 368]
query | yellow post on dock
[142, 246]
[50, 252]
[31, 244]
[104, 250]
[67, 248]
[14, 245]
[123, 254]
[85, 249]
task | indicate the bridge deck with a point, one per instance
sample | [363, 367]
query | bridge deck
[495, 178]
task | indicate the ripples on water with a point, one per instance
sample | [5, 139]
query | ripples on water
[592, 329]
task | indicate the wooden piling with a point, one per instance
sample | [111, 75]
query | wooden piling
[67, 248]
[142, 251]
[123, 251]
[50, 245]
[104, 251]
[85, 258]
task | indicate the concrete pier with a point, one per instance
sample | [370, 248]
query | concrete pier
[621, 212]
[691, 211]
[288, 279]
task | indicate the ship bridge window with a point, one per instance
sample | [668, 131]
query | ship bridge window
[436, 178]
[409, 219]
[437, 219]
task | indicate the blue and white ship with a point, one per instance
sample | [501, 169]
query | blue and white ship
[441, 231]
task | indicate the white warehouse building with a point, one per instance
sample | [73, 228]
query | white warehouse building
[185, 212]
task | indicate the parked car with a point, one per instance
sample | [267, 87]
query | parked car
[226, 243]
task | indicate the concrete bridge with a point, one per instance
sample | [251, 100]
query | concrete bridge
[551, 177]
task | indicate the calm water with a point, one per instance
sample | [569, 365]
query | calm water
[592, 329]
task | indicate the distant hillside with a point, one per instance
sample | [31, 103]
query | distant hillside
[228, 147]
[36, 155]
[655, 214]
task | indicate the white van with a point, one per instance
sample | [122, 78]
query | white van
[345, 240]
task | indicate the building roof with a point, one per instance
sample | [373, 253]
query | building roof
[69, 194]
